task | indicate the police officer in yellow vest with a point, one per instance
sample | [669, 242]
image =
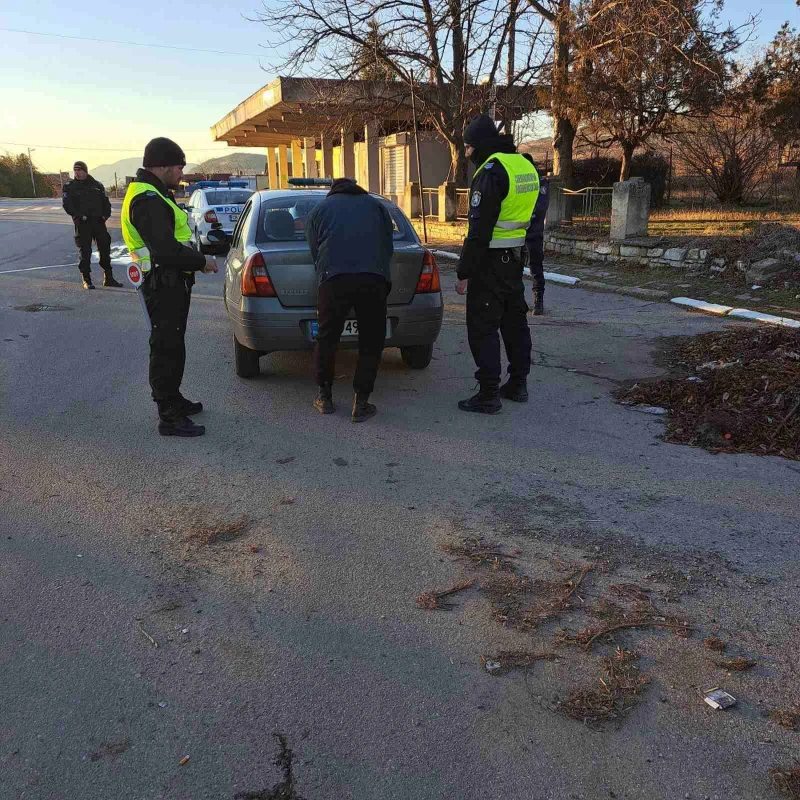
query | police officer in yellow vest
[157, 233]
[502, 198]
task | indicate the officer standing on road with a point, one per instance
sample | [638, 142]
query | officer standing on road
[502, 199]
[534, 243]
[85, 200]
[156, 232]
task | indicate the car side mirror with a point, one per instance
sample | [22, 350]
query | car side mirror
[217, 236]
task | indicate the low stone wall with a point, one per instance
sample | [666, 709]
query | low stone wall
[646, 251]
[443, 231]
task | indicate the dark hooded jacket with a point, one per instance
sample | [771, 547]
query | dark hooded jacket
[86, 198]
[350, 232]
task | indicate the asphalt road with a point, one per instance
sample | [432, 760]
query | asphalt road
[304, 622]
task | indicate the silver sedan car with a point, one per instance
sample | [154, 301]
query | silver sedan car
[271, 284]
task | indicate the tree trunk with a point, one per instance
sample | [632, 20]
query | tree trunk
[563, 129]
[627, 158]
[458, 164]
[563, 139]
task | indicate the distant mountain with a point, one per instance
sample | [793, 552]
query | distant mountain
[246, 163]
[127, 166]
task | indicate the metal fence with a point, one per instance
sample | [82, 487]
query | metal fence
[589, 207]
[462, 203]
[431, 200]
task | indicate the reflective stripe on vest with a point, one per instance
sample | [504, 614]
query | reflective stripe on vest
[136, 246]
[517, 207]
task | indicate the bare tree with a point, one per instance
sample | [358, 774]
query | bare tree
[456, 48]
[731, 149]
[646, 63]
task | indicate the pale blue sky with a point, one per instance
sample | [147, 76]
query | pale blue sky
[92, 95]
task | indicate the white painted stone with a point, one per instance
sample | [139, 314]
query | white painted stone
[702, 305]
[631, 252]
[768, 319]
[767, 265]
[675, 254]
[603, 249]
[556, 277]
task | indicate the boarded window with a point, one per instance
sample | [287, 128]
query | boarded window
[394, 170]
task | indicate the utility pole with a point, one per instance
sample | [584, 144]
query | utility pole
[61, 179]
[30, 164]
[116, 190]
[419, 160]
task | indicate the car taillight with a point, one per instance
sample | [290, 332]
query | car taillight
[429, 277]
[211, 216]
[255, 278]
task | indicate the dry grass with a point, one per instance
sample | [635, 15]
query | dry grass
[432, 601]
[737, 664]
[214, 533]
[788, 718]
[714, 643]
[616, 693]
[786, 780]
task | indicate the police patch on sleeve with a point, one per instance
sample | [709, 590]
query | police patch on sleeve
[476, 199]
[488, 165]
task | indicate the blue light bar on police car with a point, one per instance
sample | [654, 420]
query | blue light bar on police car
[310, 181]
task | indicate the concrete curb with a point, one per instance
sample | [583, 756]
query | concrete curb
[689, 303]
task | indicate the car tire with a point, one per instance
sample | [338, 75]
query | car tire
[245, 360]
[417, 357]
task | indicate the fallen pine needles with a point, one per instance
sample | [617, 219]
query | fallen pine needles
[786, 780]
[517, 659]
[432, 601]
[737, 664]
[616, 693]
[480, 553]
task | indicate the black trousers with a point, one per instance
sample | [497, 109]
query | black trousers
[496, 306]
[167, 294]
[85, 233]
[536, 261]
[366, 296]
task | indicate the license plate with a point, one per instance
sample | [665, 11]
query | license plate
[234, 217]
[350, 330]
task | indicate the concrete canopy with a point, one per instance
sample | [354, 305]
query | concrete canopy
[290, 109]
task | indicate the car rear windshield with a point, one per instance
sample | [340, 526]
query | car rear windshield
[228, 197]
[283, 219]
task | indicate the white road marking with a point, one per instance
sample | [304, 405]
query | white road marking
[30, 269]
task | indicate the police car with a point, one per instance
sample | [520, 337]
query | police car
[215, 207]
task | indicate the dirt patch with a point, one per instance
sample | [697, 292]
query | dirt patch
[213, 533]
[110, 749]
[730, 391]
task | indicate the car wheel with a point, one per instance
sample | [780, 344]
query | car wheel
[245, 360]
[417, 357]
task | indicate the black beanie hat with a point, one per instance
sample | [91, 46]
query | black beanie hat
[80, 165]
[163, 152]
[480, 130]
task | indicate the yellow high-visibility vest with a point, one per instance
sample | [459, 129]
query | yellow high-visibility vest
[136, 246]
[516, 209]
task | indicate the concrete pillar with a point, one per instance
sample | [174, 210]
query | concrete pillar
[327, 155]
[272, 169]
[297, 160]
[310, 157]
[448, 202]
[373, 157]
[410, 202]
[557, 210]
[348, 156]
[283, 166]
[630, 209]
